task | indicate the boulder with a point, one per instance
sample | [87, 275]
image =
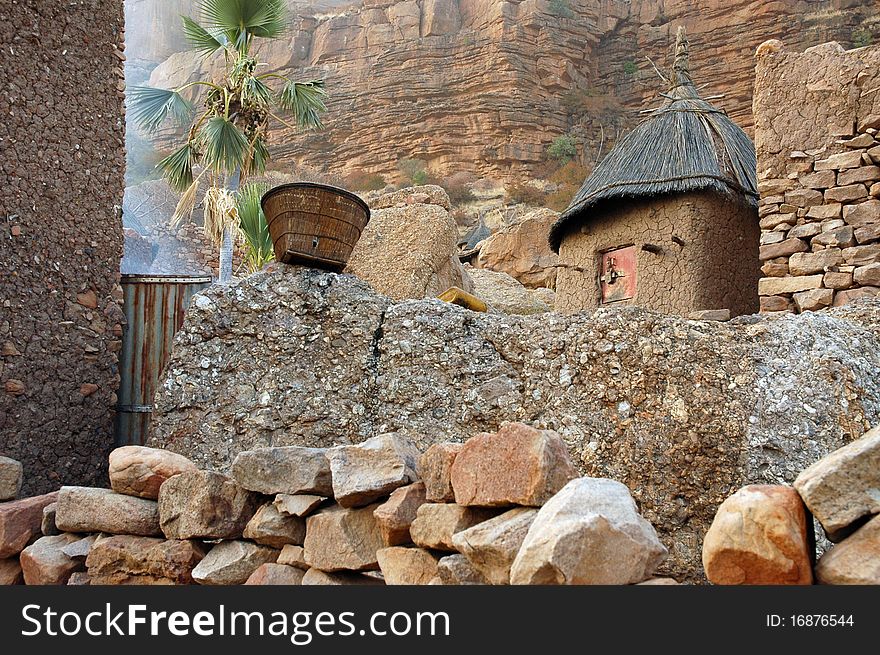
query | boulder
[589, 533]
[505, 295]
[407, 566]
[436, 523]
[44, 562]
[491, 546]
[127, 560]
[232, 563]
[521, 250]
[318, 577]
[844, 486]
[140, 471]
[206, 505]
[47, 525]
[856, 560]
[435, 469]
[284, 470]
[10, 572]
[80, 548]
[275, 574]
[424, 194]
[10, 478]
[343, 539]
[395, 515]
[20, 522]
[518, 465]
[293, 556]
[270, 527]
[301, 505]
[370, 470]
[759, 536]
[458, 570]
[86, 509]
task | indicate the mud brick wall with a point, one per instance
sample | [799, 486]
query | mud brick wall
[817, 116]
[62, 139]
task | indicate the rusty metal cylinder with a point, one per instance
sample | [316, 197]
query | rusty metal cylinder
[154, 308]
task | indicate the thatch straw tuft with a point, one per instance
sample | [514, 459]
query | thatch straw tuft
[685, 145]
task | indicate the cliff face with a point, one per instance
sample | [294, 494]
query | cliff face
[486, 85]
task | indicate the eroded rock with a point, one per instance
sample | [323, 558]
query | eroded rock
[368, 471]
[204, 504]
[86, 509]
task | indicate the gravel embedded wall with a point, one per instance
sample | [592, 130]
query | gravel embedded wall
[62, 136]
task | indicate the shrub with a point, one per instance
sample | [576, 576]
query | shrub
[413, 170]
[560, 8]
[570, 174]
[526, 194]
[363, 181]
[458, 187]
[420, 177]
[630, 68]
[563, 148]
[862, 37]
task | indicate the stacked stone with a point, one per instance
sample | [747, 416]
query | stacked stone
[763, 534]
[820, 226]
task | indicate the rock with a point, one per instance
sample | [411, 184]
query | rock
[803, 197]
[505, 295]
[86, 509]
[343, 539]
[428, 194]
[232, 563]
[782, 249]
[44, 563]
[47, 525]
[856, 560]
[10, 478]
[491, 546]
[20, 522]
[774, 286]
[370, 470]
[293, 556]
[759, 537]
[79, 579]
[275, 574]
[409, 252]
[126, 560]
[436, 524]
[804, 231]
[435, 469]
[318, 577]
[458, 570]
[867, 275]
[839, 237]
[521, 250]
[824, 212]
[589, 533]
[846, 296]
[863, 174]
[659, 582]
[407, 566]
[710, 315]
[300, 506]
[862, 255]
[814, 299]
[284, 470]
[81, 548]
[818, 180]
[842, 487]
[10, 572]
[774, 303]
[395, 516]
[837, 280]
[808, 263]
[140, 471]
[206, 505]
[270, 527]
[518, 465]
[839, 162]
[848, 193]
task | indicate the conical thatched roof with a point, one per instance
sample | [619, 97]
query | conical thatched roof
[685, 145]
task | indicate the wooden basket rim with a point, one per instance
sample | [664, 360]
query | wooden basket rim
[315, 185]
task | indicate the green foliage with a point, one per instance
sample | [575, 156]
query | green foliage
[253, 227]
[630, 68]
[862, 37]
[560, 8]
[414, 171]
[563, 148]
[151, 107]
[178, 168]
[305, 100]
[420, 177]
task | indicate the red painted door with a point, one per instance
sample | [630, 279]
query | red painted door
[617, 275]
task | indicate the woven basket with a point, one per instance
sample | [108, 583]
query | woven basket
[314, 224]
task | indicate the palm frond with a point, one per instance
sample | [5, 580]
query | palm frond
[177, 168]
[150, 107]
[253, 227]
[220, 213]
[245, 18]
[201, 39]
[225, 147]
[186, 204]
[257, 158]
[305, 100]
[255, 90]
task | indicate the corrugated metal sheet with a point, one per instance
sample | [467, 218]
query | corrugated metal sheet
[154, 309]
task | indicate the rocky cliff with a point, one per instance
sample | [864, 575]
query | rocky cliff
[485, 85]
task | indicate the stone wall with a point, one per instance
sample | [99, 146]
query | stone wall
[706, 259]
[63, 161]
[817, 115]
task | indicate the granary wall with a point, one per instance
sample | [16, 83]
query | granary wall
[62, 135]
[706, 257]
[817, 114]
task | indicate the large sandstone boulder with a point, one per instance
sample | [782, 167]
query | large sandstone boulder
[368, 471]
[232, 563]
[505, 295]
[521, 250]
[204, 504]
[140, 471]
[682, 412]
[284, 470]
[44, 562]
[86, 509]
[126, 560]
[491, 546]
[854, 561]
[20, 522]
[343, 539]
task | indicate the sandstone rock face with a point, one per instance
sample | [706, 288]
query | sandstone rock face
[518, 465]
[284, 470]
[435, 470]
[589, 533]
[301, 505]
[407, 566]
[319, 577]
[343, 539]
[458, 570]
[85, 509]
[436, 524]
[126, 560]
[426, 194]
[370, 470]
[232, 562]
[759, 536]
[491, 546]
[44, 563]
[395, 515]
[270, 527]
[505, 295]
[275, 574]
[20, 522]
[521, 250]
[844, 486]
[140, 471]
[728, 414]
[854, 561]
[10, 478]
[10, 572]
[204, 504]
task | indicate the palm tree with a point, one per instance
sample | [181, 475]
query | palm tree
[228, 137]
